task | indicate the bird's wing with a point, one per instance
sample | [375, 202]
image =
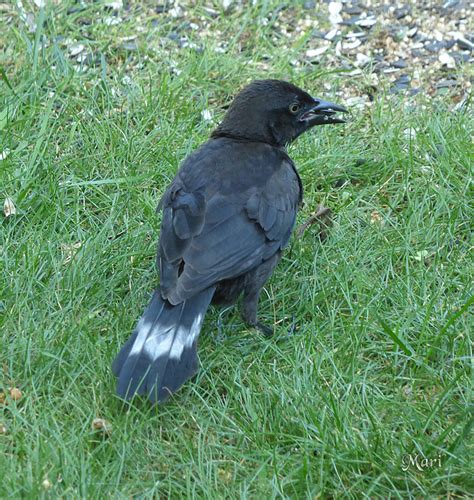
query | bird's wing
[205, 241]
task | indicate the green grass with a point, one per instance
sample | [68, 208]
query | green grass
[379, 366]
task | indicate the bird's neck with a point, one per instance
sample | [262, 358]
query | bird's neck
[247, 135]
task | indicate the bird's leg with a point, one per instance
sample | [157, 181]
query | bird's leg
[254, 282]
[249, 314]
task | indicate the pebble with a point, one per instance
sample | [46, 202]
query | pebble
[442, 84]
[206, 115]
[447, 60]
[176, 11]
[352, 10]
[464, 43]
[75, 50]
[362, 59]
[401, 12]
[400, 64]
[400, 84]
[434, 46]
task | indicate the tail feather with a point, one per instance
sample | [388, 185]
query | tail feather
[161, 353]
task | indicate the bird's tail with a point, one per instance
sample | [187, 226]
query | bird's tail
[161, 353]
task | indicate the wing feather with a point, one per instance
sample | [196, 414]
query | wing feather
[206, 240]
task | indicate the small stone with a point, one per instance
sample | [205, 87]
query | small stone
[75, 50]
[434, 46]
[3, 429]
[400, 64]
[442, 84]
[447, 60]
[401, 12]
[464, 43]
[417, 53]
[400, 84]
[175, 36]
[353, 10]
[176, 11]
[84, 59]
[412, 32]
[206, 115]
[362, 59]
[460, 57]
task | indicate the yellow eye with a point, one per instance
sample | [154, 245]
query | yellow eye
[294, 108]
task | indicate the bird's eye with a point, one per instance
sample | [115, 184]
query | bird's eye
[294, 108]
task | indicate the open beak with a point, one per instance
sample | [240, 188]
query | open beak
[322, 113]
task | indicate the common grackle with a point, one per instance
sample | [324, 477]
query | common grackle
[227, 216]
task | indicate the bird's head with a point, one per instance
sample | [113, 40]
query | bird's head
[275, 112]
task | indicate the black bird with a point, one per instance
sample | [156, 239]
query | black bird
[227, 216]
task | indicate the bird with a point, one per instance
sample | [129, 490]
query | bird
[226, 218]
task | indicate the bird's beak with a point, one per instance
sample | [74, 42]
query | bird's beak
[322, 113]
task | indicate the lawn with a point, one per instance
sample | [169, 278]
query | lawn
[369, 396]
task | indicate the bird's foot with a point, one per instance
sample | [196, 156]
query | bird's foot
[262, 328]
[290, 332]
